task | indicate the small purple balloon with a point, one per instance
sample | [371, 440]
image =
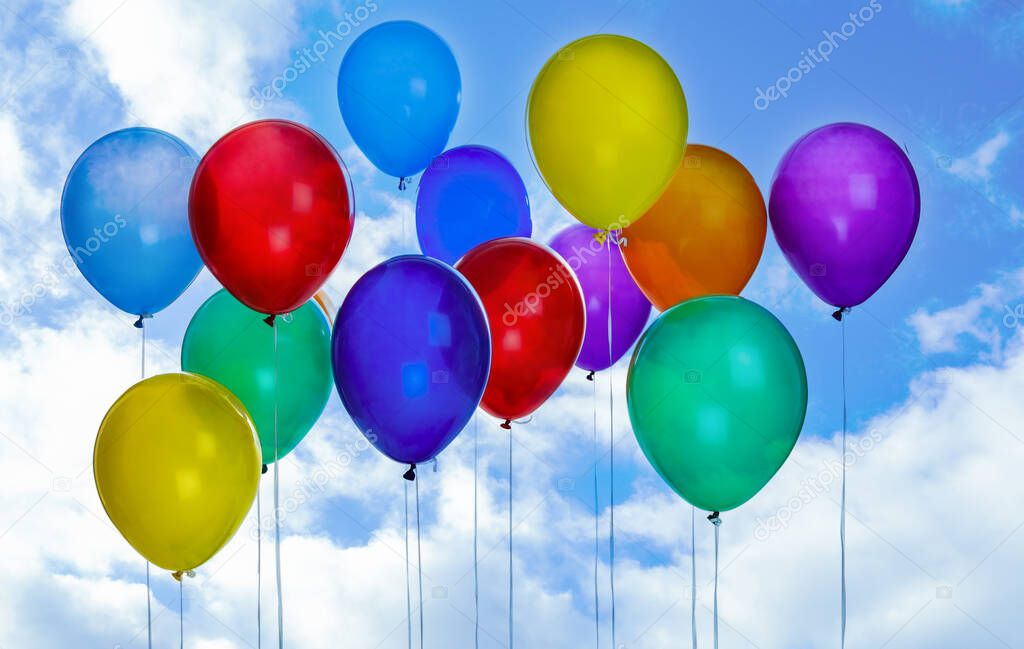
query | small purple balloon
[467, 196]
[844, 207]
[589, 259]
[411, 352]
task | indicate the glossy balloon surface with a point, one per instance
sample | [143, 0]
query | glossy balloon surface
[411, 353]
[271, 210]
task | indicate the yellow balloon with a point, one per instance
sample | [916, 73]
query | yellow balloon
[177, 464]
[607, 124]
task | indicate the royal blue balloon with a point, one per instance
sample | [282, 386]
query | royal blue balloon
[411, 351]
[399, 91]
[469, 195]
[124, 213]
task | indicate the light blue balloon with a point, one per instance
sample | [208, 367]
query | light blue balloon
[399, 91]
[124, 213]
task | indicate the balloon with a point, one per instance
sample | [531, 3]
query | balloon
[124, 213]
[717, 395]
[534, 305]
[607, 124]
[411, 354]
[469, 195]
[271, 211]
[326, 305]
[703, 236]
[844, 207]
[596, 264]
[229, 343]
[399, 91]
[176, 465]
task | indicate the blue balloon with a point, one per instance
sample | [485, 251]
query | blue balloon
[469, 195]
[399, 91]
[411, 351]
[124, 213]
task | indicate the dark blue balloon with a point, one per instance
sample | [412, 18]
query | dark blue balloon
[399, 90]
[469, 195]
[124, 213]
[411, 351]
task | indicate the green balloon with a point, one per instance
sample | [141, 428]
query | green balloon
[231, 344]
[717, 395]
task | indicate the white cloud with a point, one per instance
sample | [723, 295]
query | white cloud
[979, 170]
[993, 310]
[186, 67]
[978, 165]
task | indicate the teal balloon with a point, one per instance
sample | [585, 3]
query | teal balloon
[231, 344]
[717, 394]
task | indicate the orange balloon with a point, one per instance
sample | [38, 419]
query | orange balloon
[705, 234]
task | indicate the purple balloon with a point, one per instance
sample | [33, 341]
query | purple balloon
[844, 207]
[589, 258]
[411, 352]
[469, 195]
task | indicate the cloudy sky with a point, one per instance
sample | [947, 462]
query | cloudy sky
[937, 362]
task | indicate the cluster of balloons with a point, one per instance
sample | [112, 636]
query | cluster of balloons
[485, 317]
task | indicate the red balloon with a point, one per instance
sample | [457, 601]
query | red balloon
[534, 305]
[271, 211]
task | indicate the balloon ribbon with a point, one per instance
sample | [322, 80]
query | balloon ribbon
[408, 587]
[511, 590]
[717, 522]
[476, 568]
[597, 518]
[838, 315]
[141, 325]
[277, 517]
[612, 240]
[419, 557]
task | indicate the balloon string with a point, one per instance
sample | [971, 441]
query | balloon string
[476, 569]
[842, 509]
[419, 557]
[277, 517]
[149, 596]
[611, 447]
[181, 613]
[511, 589]
[597, 527]
[693, 576]
[259, 569]
[408, 587]
[717, 522]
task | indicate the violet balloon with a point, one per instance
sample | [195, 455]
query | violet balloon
[411, 351]
[467, 196]
[589, 259]
[844, 207]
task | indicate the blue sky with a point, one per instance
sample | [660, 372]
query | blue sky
[936, 366]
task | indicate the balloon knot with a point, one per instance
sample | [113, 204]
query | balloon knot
[507, 424]
[270, 319]
[140, 323]
[715, 519]
[590, 375]
[838, 313]
[263, 470]
[401, 184]
[178, 574]
[410, 475]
